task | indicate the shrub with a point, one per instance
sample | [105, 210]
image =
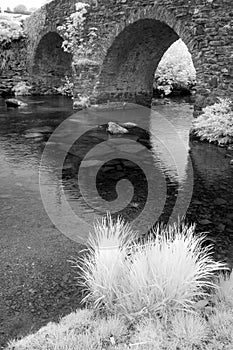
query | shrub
[67, 89]
[10, 29]
[81, 102]
[21, 89]
[216, 123]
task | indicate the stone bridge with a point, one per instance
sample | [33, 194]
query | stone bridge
[119, 60]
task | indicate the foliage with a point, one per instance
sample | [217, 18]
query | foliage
[175, 69]
[67, 89]
[207, 327]
[21, 89]
[73, 29]
[82, 102]
[216, 123]
[10, 29]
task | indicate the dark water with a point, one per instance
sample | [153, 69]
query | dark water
[146, 176]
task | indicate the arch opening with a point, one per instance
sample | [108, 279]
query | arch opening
[129, 66]
[51, 64]
[175, 75]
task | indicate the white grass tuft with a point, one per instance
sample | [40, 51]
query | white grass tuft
[149, 334]
[102, 270]
[224, 293]
[221, 324]
[189, 329]
[170, 272]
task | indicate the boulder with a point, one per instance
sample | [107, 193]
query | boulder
[115, 129]
[14, 102]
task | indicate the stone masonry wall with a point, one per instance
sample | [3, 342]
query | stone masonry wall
[14, 71]
[132, 36]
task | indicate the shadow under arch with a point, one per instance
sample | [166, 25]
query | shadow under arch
[133, 51]
[50, 64]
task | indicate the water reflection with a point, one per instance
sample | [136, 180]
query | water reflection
[21, 152]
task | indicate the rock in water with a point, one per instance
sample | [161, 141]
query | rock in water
[115, 129]
[129, 125]
[14, 102]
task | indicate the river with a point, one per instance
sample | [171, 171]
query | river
[152, 173]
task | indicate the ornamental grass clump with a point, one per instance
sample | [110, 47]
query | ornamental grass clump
[103, 268]
[168, 273]
[216, 123]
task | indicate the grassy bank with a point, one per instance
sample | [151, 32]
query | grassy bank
[166, 293]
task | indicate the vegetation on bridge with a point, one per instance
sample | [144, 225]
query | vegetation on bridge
[10, 30]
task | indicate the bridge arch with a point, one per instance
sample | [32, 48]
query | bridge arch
[133, 51]
[50, 64]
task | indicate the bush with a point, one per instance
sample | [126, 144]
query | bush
[175, 70]
[216, 123]
[10, 29]
[21, 89]
[67, 89]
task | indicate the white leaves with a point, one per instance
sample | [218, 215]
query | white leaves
[216, 123]
[73, 32]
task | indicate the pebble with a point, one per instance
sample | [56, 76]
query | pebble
[7, 208]
[219, 201]
[205, 222]
[196, 202]
[33, 135]
[221, 227]
[134, 205]
[5, 196]
[41, 130]
[19, 184]
[129, 125]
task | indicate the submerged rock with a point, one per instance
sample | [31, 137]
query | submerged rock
[129, 125]
[40, 129]
[14, 102]
[32, 135]
[205, 222]
[115, 129]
